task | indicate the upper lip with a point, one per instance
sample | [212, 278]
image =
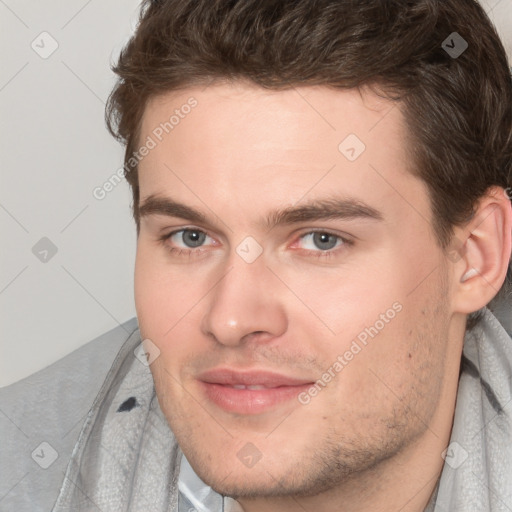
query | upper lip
[231, 377]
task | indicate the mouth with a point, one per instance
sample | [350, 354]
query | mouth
[250, 392]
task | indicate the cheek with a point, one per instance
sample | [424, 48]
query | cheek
[149, 293]
[163, 295]
[343, 301]
[169, 301]
[406, 359]
[158, 301]
[378, 327]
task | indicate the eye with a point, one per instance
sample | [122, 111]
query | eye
[321, 241]
[187, 238]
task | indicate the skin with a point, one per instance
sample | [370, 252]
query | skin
[372, 439]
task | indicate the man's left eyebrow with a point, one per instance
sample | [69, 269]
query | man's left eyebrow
[326, 209]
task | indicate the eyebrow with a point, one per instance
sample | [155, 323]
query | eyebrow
[158, 205]
[333, 208]
[324, 209]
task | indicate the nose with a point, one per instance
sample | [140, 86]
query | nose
[245, 304]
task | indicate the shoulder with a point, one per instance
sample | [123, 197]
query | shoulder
[41, 417]
[502, 310]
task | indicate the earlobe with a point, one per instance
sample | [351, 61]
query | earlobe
[486, 254]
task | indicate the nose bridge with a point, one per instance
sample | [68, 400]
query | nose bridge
[243, 302]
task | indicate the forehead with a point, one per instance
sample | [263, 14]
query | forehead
[239, 140]
[290, 116]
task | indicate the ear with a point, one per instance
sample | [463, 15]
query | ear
[484, 252]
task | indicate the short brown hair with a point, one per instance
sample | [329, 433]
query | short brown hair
[457, 108]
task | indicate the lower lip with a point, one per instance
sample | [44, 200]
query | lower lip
[250, 401]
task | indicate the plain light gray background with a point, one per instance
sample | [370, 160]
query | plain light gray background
[55, 150]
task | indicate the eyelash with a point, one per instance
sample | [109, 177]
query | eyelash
[198, 252]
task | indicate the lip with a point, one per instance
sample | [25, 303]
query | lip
[217, 385]
[231, 377]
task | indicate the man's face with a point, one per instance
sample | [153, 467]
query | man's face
[307, 250]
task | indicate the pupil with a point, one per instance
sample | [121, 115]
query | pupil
[193, 238]
[324, 240]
